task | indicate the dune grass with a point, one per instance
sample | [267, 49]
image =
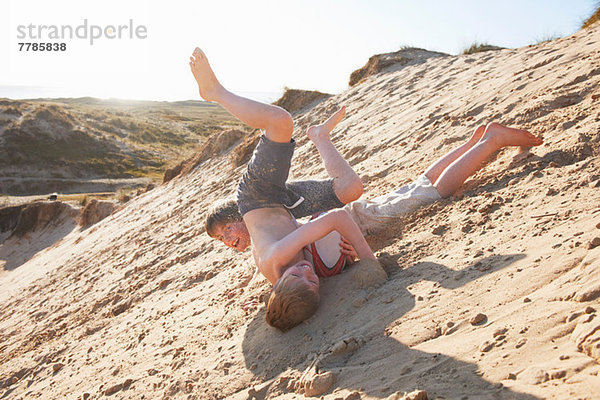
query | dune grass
[547, 38]
[480, 47]
[595, 17]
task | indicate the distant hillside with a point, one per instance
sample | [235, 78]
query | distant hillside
[49, 146]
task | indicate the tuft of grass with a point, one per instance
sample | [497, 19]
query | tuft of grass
[479, 47]
[595, 17]
[405, 47]
[547, 38]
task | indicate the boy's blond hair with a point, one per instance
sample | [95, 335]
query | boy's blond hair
[290, 305]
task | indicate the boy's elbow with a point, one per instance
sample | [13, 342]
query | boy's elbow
[267, 263]
[270, 263]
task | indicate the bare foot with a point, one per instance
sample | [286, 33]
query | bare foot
[504, 136]
[319, 132]
[208, 84]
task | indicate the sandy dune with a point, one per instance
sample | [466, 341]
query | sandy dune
[144, 305]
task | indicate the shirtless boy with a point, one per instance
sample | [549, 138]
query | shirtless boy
[264, 200]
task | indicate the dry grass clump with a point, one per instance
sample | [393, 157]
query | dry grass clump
[479, 47]
[49, 116]
[294, 100]
[12, 111]
[595, 17]
[546, 38]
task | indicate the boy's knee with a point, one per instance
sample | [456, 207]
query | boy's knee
[281, 122]
[356, 187]
[350, 189]
[491, 125]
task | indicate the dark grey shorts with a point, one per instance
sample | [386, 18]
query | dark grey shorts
[264, 184]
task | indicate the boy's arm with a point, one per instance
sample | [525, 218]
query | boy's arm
[284, 250]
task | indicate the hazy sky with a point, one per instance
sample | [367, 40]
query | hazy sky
[254, 45]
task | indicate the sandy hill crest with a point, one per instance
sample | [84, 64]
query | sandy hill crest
[392, 62]
[491, 294]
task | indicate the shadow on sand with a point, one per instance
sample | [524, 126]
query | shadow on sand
[382, 365]
[16, 251]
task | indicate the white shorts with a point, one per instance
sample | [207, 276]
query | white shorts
[374, 214]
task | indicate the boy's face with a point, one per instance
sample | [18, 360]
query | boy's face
[302, 274]
[234, 235]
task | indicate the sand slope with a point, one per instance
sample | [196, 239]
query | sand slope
[144, 305]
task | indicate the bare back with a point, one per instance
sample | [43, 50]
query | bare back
[266, 227]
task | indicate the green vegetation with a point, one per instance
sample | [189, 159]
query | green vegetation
[595, 17]
[90, 138]
[479, 47]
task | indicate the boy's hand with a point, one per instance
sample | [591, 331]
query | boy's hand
[347, 249]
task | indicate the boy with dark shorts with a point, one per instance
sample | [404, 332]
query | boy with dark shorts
[264, 184]
[266, 203]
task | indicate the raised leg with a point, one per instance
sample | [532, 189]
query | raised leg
[276, 122]
[436, 169]
[495, 137]
[346, 183]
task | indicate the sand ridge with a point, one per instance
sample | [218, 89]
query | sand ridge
[144, 305]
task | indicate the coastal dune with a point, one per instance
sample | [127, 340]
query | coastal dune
[494, 293]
